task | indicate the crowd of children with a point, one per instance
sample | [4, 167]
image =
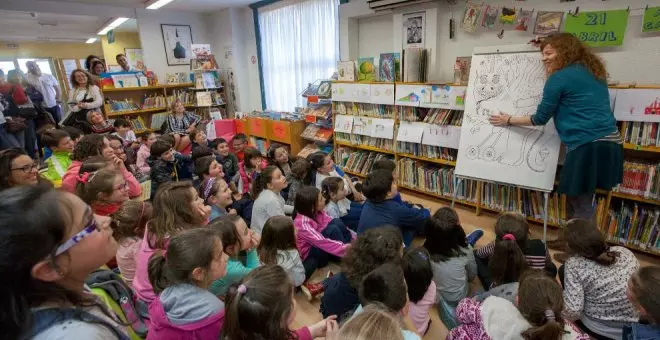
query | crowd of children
[229, 236]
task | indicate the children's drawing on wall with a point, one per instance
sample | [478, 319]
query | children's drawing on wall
[548, 23]
[490, 16]
[462, 69]
[524, 18]
[413, 30]
[637, 105]
[471, 16]
[510, 83]
[508, 15]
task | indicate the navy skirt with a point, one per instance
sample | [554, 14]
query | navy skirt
[596, 165]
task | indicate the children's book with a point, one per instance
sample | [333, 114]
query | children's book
[204, 99]
[390, 67]
[325, 89]
[346, 70]
[366, 69]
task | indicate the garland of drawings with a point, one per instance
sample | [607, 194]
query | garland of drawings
[523, 156]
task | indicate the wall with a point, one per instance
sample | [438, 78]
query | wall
[375, 35]
[122, 40]
[151, 37]
[49, 50]
[628, 63]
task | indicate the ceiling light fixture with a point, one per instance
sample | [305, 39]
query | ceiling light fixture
[114, 24]
[158, 4]
[90, 41]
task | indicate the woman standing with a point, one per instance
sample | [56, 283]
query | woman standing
[14, 95]
[16, 79]
[84, 96]
[576, 96]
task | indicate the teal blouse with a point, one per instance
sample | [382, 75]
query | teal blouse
[579, 104]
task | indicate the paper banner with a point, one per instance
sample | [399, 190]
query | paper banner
[362, 126]
[344, 123]
[651, 21]
[382, 128]
[600, 28]
[637, 105]
[410, 132]
[382, 94]
[362, 93]
[447, 136]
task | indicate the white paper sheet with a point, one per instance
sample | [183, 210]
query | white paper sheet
[446, 136]
[343, 123]
[410, 132]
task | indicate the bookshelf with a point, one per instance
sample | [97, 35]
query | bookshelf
[139, 105]
[614, 208]
[267, 131]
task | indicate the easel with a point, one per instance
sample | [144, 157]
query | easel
[546, 197]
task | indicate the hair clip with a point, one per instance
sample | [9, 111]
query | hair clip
[509, 237]
[84, 178]
[207, 189]
[549, 315]
[242, 289]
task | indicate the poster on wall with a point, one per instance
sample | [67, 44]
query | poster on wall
[651, 19]
[599, 28]
[135, 58]
[177, 40]
[413, 29]
[548, 23]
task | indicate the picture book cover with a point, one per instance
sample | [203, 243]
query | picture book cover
[366, 69]
[389, 67]
[325, 89]
[346, 70]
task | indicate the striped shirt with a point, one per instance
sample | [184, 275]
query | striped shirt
[535, 252]
[614, 137]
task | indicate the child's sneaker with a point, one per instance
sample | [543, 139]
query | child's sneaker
[312, 290]
[474, 236]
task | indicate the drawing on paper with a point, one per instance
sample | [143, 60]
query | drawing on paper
[507, 83]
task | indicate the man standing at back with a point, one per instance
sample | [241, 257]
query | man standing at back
[48, 86]
[123, 62]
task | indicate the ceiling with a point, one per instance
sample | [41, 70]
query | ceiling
[183, 5]
[20, 26]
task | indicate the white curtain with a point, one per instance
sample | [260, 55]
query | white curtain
[299, 45]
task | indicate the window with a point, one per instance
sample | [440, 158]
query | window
[299, 45]
[7, 66]
[44, 65]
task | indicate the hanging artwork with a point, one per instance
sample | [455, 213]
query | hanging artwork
[471, 16]
[490, 16]
[177, 40]
[135, 58]
[548, 23]
[413, 30]
[524, 18]
[508, 15]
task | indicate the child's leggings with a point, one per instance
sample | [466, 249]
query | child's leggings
[318, 258]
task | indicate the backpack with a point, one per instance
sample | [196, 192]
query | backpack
[120, 293]
[46, 318]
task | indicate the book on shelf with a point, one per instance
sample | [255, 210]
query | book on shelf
[434, 180]
[431, 116]
[317, 133]
[366, 69]
[260, 144]
[177, 78]
[390, 65]
[641, 133]
[633, 224]
[364, 109]
[359, 140]
[346, 70]
[640, 179]
[203, 99]
[185, 97]
[428, 151]
[358, 161]
[308, 150]
[320, 110]
[155, 101]
[138, 124]
[157, 120]
[414, 65]
[116, 106]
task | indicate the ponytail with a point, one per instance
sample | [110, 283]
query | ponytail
[508, 261]
[156, 270]
[315, 161]
[550, 330]
[261, 182]
[541, 302]
[330, 186]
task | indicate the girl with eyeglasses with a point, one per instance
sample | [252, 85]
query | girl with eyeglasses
[104, 190]
[45, 262]
[17, 169]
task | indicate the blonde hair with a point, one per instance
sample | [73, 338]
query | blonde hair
[371, 323]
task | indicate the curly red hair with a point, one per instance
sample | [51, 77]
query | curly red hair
[571, 51]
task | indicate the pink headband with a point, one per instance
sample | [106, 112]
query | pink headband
[509, 237]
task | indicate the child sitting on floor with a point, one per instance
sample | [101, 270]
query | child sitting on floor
[217, 195]
[238, 145]
[61, 145]
[148, 138]
[421, 288]
[123, 130]
[128, 225]
[163, 162]
[228, 160]
[380, 209]
[184, 307]
[278, 246]
[248, 169]
[538, 315]
[643, 289]
[267, 199]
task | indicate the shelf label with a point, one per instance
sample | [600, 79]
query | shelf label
[257, 127]
[382, 128]
[279, 130]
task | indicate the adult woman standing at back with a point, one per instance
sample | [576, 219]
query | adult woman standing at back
[84, 96]
[576, 96]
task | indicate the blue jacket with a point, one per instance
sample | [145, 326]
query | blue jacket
[390, 212]
[339, 297]
[637, 331]
[579, 104]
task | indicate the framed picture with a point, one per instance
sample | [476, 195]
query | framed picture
[413, 30]
[135, 58]
[177, 40]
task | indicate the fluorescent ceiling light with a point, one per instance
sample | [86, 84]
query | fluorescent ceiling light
[114, 24]
[90, 41]
[158, 4]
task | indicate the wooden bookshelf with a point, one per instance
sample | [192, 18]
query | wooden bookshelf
[274, 131]
[430, 160]
[134, 112]
[365, 148]
[636, 147]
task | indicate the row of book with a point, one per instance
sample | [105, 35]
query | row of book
[529, 203]
[633, 225]
[381, 143]
[432, 116]
[185, 97]
[640, 179]
[363, 109]
[317, 133]
[428, 151]
[320, 111]
[357, 160]
[641, 133]
[435, 180]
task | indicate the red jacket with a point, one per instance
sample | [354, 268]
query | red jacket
[19, 95]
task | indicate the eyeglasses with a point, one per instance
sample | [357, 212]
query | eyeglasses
[122, 186]
[27, 168]
[88, 230]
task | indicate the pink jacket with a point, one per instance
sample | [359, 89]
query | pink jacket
[141, 284]
[70, 179]
[142, 156]
[419, 311]
[162, 329]
[308, 235]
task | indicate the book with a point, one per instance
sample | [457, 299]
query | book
[389, 67]
[366, 69]
[633, 225]
[435, 180]
[204, 99]
[346, 70]
[641, 133]
[157, 120]
[640, 178]
[414, 65]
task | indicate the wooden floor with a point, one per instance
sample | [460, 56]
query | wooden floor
[307, 312]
